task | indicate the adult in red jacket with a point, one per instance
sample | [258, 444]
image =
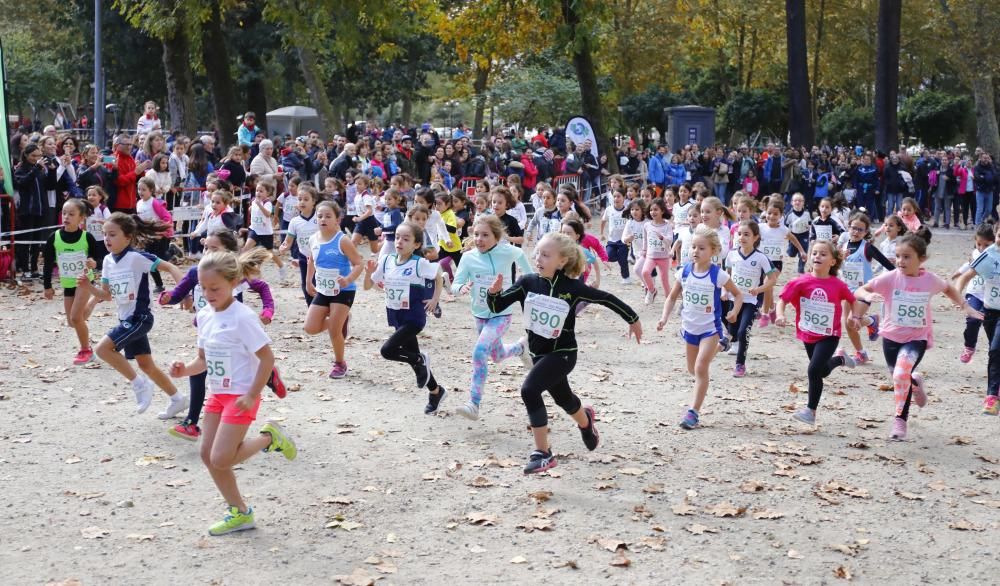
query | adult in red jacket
[128, 174]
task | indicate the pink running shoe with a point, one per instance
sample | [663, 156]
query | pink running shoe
[967, 354]
[861, 357]
[898, 429]
[339, 370]
[764, 321]
[83, 356]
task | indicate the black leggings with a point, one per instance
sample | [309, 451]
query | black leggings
[550, 374]
[991, 322]
[26, 255]
[915, 350]
[402, 346]
[197, 386]
[973, 325]
[821, 364]
[740, 331]
[303, 266]
[159, 248]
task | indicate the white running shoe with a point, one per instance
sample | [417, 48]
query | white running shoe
[469, 411]
[282, 273]
[733, 350]
[626, 281]
[143, 389]
[525, 356]
[178, 403]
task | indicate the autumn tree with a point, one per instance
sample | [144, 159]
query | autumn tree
[890, 14]
[799, 108]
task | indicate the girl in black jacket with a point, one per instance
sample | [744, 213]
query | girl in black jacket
[549, 299]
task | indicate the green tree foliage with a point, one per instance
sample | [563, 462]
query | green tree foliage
[751, 110]
[645, 110]
[522, 98]
[847, 124]
[934, 117]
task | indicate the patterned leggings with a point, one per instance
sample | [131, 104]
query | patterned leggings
[489, 345]
[902, 360]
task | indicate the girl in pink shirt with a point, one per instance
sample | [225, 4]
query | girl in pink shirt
[659, 241]
[817, 297]
[906, 330]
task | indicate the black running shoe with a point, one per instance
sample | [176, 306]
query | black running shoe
[724, 344]
[590, 435]
[539, 461]
[433, 400]
[437, 311]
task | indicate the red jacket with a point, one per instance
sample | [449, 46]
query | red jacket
[125, 181]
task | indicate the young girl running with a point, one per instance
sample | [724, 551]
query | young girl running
[546, 218]
[575, 229]
[150, 209]
[974, 292]
[754, 275]
[908, 214]
[659, 239]
[893, 229]
[402, 276]
[987, 266]
[502, 199]
[261, 231]
[95, 222]
[799, 221]
[712, 215]
[774, 237]
[333, 266]
[366, 223]
[391, 218]
[857, 270]
[683, 235]
[549, 299]
[907, 332]
[701, 282]
[824, 226]
[301, 229]
[476, 272]
[634, 235]
[72, 250]
[682, 209]
[615, 218]
[817, 297]
[235, 353]
[451, 244]
[124, 280]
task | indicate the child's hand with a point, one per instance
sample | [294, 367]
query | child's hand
[91, 264]
[663, 322]
[370, 266]
[246, 402]
[49, 294]
[497, 285]
[635, 330]
[378, 231]
[176, 369]
[164, 298]
[430, 304]
[465, 289]
[780, 321]
[854, 323]
[311, 289]
[295, 262]
[732, 316]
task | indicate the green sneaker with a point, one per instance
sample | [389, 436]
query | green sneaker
[279, 441]
[233, 521]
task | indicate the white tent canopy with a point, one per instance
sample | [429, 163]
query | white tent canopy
[293, 120]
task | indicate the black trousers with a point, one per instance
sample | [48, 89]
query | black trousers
[550, 373]
[821, 364]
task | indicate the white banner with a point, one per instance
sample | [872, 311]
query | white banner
[578, 129]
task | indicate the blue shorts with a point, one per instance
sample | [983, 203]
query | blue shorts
[695, 339]
[367, 227]
[130, 335]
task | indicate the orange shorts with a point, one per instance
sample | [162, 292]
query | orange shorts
[226, 404]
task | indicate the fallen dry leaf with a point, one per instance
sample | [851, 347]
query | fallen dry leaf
[66, 582]
[632, 471]
[482, 519]
[73, 460]
[620, 560]
[141, 537]
[609, 544]
[683, 509]
[572, 564]
[359, 577]
[795, 555]
[794, 388]
[177, 483]
[653, 543]
[536, 524]
[752, 486]
[540, 496]
[960, 440]
[842, 573]
[767, 514]
[481, 482]
[338, 500]
[94, 533]
[910, 496]
[993, 504]
[964, 525]
[699, 529]
[726, 509]
[989, 459]
[655, 488]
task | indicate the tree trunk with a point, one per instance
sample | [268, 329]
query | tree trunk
[890, 13]
[255, 89]
[180, 89]
[753, 58]
[328, 115]
[799, 110]
[815, 69]
[407, 109]
[586, 73]
[216, 59]
[987, 132]
[479, 88]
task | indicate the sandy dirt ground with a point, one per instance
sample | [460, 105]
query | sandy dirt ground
[381, 493]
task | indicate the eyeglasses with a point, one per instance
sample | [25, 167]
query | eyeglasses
[858, 228]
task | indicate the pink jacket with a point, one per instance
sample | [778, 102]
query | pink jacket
[164, 215]
[962, 176]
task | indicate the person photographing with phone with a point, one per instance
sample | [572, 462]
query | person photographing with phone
[128, 173]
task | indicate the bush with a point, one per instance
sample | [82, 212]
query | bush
[848, 124]
[934, 117]
[752, 110]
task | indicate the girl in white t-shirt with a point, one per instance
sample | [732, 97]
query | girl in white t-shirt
[235, 352]
[775, 237]
[261, 231]
[752, 273]
[701, 282]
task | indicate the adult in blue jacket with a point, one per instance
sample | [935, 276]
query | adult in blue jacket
[676, 171]
[984, 180]
[657, 175]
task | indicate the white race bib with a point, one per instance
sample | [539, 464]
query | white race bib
[96, 227]
[800, 224]
[122, 286]
[745, 277]
[910, 308]
[681, 216]
[352, 208]
[326, 281]
[773, 249]
[853, 273]
[699, 296]
[72, 264]
[824, 232]
[816, 316]
[545, 315]
[657, 245]
[219, 369]
[480, 286]
[198, 295]
[397, 293]
[991, 293]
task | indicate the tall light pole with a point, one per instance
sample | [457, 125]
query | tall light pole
[98, 78]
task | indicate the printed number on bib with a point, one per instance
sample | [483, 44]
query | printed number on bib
[772, 249]
[480, 286]
[326, 281]
[122, 286]
[657, 245]
[96, 228]
[745, 277]
[910, 308]
[545, 315]
[397, 293]
[800, 225]
[699, 296]
[199, 299]
[72, 264]
[852, 273]
[991, 294]
[824, 232]
[219, 369]
[816, 316]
